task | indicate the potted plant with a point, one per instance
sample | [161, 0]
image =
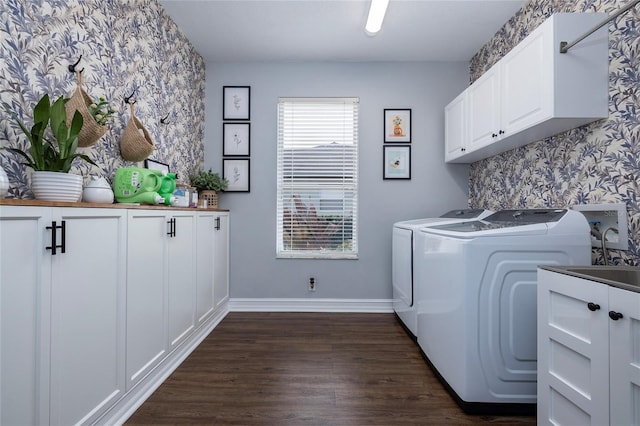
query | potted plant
[208, 183]
[51, 161]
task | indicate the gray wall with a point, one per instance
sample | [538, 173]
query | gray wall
[435, 187]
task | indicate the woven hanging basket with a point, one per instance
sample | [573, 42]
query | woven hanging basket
[211, 196]
[91, 131]
[136, 143]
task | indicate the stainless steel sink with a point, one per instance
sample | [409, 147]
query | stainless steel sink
[627, 275]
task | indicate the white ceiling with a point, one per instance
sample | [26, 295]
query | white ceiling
[333, 30]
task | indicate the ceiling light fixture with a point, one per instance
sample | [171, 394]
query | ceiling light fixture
[376, 15]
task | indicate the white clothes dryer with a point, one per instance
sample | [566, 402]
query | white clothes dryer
[402, 268]
[476, 301]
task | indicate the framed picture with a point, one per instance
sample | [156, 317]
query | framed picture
[156, 165]
[236, 139]
[236, 171]
[397, 162]
[397, 125]
[236, 102]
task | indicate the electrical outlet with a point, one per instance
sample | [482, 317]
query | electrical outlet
[312, 284]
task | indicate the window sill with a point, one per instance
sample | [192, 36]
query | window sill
[320, 256]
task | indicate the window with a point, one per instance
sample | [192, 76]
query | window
[317, 178]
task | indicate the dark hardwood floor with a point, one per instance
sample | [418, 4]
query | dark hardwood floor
[307, 369]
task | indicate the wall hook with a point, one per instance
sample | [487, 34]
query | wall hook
[72, 67]
[127, 100]
[163, 120]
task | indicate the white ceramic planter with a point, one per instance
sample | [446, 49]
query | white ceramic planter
[97, 190]
[56, 186]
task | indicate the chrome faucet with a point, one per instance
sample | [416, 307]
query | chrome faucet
[604, 243]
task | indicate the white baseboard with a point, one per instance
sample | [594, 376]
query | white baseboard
[311, 305]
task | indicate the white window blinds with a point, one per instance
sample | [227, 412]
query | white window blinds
[317, 177]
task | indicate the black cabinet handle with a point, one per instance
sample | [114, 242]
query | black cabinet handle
[54, 237]
[172, 227]
[63, 235]
[53, 245]
[615, 315]
[593, 306]
[218, 223]
[493, 135]
[501, 132]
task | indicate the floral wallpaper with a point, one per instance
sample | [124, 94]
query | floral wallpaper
[127, 47]
[596, 163]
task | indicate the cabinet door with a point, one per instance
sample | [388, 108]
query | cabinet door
[181, 259]
[25, 274]
[205, 264]
[147, 270]
[87, 314]
[455, 127]
[573, 351]
[484, 109]
[624, 339]
[526, 83]
[221, 274]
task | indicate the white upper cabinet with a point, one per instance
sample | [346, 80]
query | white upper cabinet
[526, 84]
[484, 110]
[454, 132]
[533, 92]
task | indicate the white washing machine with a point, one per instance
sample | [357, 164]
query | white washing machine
[476, 301]
[402, 268]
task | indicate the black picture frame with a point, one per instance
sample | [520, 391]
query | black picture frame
[236, 139]
[156, 165]
[396, 162]
[236, 102]
[397, 125]
[238, 172]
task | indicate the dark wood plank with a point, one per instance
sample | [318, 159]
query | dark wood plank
[335, 369]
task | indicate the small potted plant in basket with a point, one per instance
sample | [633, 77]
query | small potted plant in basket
[208, 183]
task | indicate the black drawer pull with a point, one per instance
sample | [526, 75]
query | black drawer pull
[615, 315]
[593, 306]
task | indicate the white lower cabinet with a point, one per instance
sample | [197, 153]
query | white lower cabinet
[212, 276]
[146, 292]
[25, 282]
[588, 361]
[624, 358]
[62, 313]
[221, 262]
[182, 277]
[160, 286]
[81, 329]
